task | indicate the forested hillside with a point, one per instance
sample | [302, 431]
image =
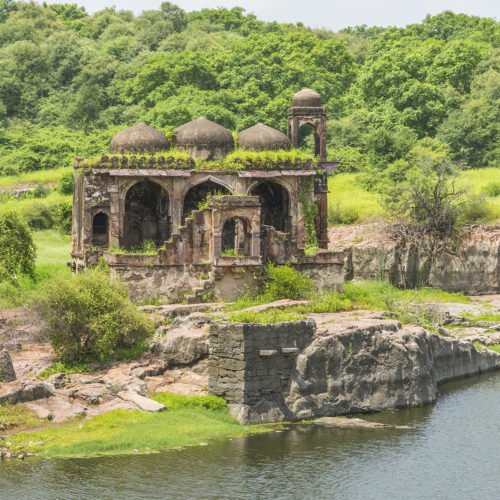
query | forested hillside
[69, 81]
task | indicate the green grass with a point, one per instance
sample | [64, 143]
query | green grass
[483, 317]
[492, 347]
[26, 204]
[68, 369]
[132, 431]
[268, 316]
[349, 201]
[51, 176]
[53, 251]
[17, 416]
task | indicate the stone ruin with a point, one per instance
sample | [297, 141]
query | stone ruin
[213, 227]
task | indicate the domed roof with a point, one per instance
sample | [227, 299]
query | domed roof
[306, 98]
[261, 137]
[139, 139]
[203, 132]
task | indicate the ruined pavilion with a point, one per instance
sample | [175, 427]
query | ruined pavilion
[213, 219]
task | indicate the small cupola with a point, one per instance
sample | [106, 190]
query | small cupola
[306, 98]
[261, 137]
[204, 139]
[139, 139]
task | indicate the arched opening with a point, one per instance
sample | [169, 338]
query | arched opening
[309, 138]
[198, 194]
[146, 215]
[100, 230]
[274, 201]
[236, 239]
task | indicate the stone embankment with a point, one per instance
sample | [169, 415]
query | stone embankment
[340, 366]
[472, 264]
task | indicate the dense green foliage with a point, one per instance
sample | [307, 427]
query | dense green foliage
[17, 251]
[69, 81]
[89, 317]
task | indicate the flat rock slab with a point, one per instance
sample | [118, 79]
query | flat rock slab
[354, 423]
[277, 304]
[180, 309]
[57, 409]
[144, 404]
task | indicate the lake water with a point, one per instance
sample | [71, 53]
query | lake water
[451, 452]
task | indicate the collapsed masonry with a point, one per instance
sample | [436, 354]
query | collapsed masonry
[213, 226]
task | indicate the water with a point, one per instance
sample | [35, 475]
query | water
[452, 452]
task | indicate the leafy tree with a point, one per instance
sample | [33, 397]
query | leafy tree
[89, 317]
[17, 250]
[473, 130]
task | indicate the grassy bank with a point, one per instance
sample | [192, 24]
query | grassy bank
[53, 251]
[49, 176]
[405, 305]
[188, 421]
[350, 202]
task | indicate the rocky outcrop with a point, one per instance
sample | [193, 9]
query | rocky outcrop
[7, 373]
[378, 366]
[185, 342]
[291, 371]
[471, 265]
[25, 392]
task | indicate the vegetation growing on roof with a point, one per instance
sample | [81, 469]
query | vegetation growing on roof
[177, 159]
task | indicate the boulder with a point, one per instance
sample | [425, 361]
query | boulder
[28, 392]
[186, 341]
[7, 373]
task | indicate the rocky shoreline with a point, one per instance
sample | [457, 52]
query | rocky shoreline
[353, 362]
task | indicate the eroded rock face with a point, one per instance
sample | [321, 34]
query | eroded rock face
[350, 367]
[185, 342]
[7, 373]
[372, 253]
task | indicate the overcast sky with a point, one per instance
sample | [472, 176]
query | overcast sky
[332, 14]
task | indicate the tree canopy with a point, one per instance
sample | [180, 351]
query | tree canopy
[70, 80]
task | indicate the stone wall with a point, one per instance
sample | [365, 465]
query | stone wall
[472, 266]
[295, 371]
[251, 365]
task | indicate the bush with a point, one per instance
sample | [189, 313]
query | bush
[17, 250]
[492, 189]
[338, 215]
[477, 210]
[89, 318]
[284, 282]
[65, 185]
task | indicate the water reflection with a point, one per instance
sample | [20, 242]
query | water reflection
[451, 452]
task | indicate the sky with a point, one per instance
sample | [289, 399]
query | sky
[331, 14]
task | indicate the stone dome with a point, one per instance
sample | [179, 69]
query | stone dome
[139, 139]
[203, 132]
[261, 137]
[306, 98]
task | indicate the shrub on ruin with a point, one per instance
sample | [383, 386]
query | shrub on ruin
[89, 318]
[284, 282]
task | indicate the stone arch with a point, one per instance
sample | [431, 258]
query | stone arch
[196, 193]
[275, 202]
[304, 128]
[145, 214]
[236, 235]
[100, 230]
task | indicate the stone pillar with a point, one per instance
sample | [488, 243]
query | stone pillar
[114, 219]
